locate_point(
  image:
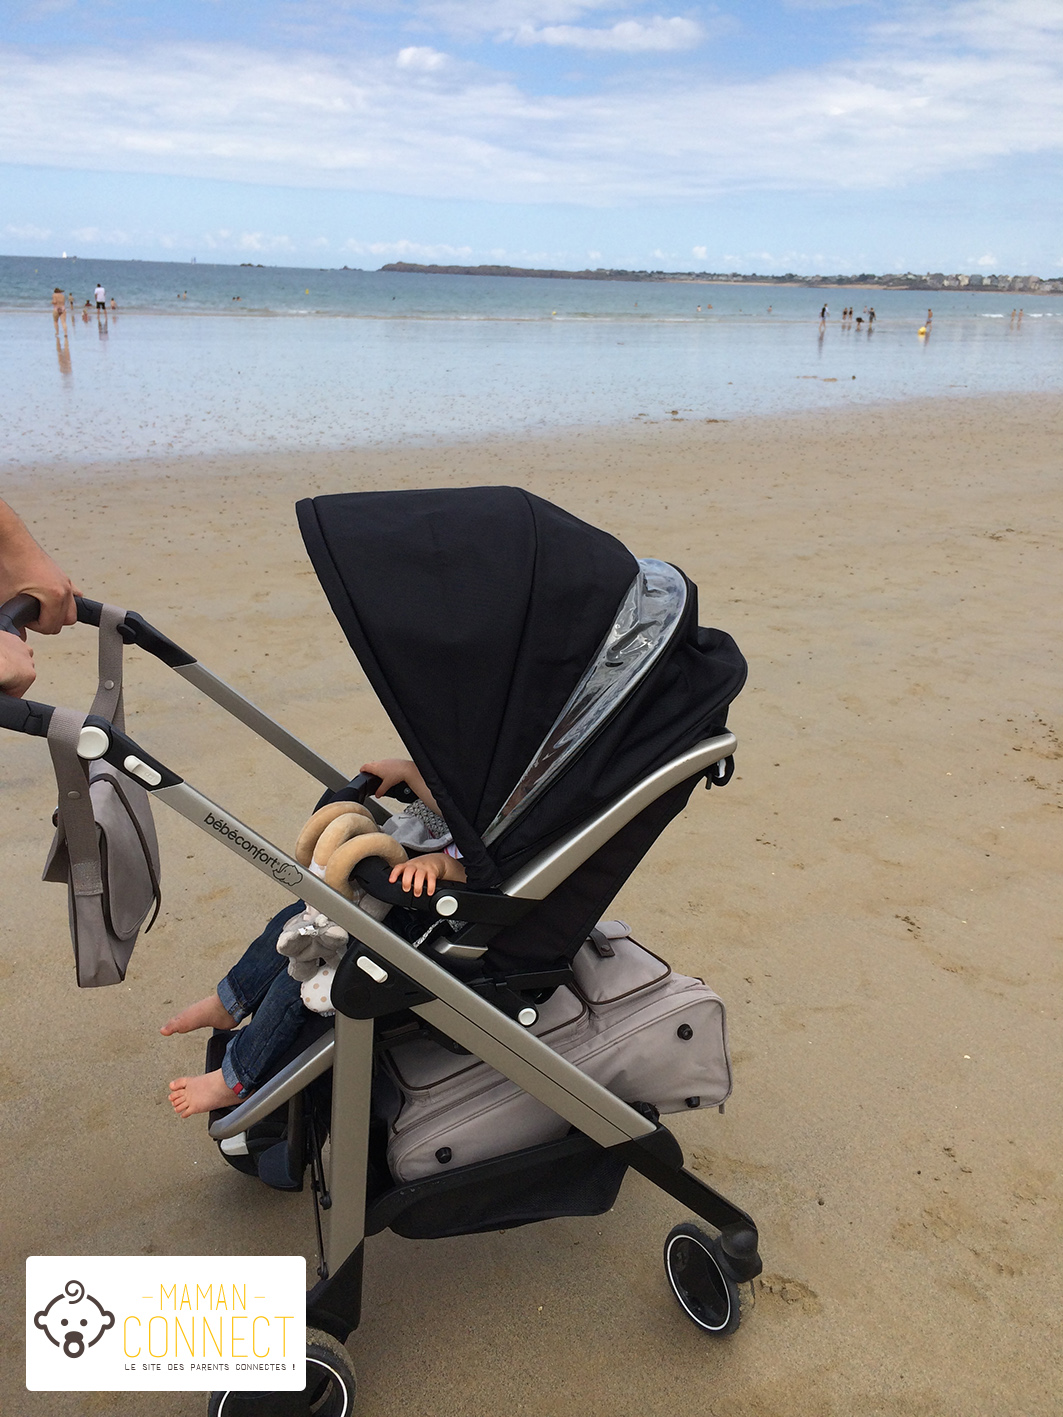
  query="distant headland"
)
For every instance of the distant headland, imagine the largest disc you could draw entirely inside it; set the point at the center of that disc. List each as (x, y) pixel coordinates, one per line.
(936, 280)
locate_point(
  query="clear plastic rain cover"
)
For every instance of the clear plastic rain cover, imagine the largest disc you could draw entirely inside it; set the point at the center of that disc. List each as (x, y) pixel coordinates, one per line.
(645, 622)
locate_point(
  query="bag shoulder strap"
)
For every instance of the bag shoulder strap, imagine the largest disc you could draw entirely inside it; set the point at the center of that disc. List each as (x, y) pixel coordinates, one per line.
(76, 820)
(109, 702)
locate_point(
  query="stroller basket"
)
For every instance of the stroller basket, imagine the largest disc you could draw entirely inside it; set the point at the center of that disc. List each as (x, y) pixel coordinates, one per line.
(561, 715)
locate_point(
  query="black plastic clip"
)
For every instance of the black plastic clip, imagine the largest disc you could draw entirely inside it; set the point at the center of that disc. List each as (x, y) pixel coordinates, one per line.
(366, 986)
(721, 773)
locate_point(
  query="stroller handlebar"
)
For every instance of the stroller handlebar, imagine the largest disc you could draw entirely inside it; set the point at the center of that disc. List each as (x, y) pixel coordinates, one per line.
(18, 612)
(135, 630)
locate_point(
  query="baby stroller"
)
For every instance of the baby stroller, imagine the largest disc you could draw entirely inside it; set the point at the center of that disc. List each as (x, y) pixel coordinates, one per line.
(562, 704)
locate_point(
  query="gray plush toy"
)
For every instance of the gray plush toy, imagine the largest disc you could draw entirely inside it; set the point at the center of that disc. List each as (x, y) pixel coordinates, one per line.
(314, 946)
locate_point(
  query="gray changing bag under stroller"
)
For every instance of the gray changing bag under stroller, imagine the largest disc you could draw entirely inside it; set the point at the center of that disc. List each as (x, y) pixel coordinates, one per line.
(648, 1034)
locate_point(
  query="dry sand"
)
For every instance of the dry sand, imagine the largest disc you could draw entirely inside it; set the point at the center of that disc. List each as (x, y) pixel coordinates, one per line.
(876, 896)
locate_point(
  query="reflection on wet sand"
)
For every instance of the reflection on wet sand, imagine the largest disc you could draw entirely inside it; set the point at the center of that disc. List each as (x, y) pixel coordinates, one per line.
(189, 384)
(62, 350)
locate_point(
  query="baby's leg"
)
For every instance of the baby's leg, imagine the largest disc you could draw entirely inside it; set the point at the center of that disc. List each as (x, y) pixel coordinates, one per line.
(200, 1094)
(208, 1013)
(250, 1056)
(243, 988)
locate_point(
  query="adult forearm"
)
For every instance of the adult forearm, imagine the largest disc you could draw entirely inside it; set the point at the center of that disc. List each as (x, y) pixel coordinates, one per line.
(25, 568)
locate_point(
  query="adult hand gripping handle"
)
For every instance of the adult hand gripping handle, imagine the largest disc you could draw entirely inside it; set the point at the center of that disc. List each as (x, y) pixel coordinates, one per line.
(25, 716)
(18, 612)
(21, 715)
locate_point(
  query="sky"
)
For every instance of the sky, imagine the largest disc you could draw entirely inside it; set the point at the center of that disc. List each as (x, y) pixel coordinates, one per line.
(814, 136)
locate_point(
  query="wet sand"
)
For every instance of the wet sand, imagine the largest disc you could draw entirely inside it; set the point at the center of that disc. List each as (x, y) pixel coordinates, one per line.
(893, 577)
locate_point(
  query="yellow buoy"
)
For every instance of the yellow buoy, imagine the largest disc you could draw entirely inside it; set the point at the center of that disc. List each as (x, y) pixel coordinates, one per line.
(922, 329)
(308, 290)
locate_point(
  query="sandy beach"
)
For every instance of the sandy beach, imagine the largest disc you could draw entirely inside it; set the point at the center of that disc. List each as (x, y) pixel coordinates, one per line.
(893, 576)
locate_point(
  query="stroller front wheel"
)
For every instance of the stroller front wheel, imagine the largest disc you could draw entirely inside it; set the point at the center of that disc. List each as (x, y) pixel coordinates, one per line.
(707, 1295)
(329, 1390)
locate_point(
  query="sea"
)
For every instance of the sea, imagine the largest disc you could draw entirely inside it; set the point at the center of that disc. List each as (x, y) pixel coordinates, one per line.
(213, 359)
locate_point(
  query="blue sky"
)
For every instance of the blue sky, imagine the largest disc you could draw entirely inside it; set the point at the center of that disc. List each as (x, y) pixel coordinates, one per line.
(774, 135)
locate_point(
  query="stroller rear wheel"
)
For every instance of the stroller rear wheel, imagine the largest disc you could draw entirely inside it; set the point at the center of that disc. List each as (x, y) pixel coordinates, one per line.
(707, 1295)
(329, 1390)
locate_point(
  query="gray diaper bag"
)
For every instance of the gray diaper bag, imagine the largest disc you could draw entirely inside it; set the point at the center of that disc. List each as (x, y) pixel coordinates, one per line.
(629, 1022)
(104, 850)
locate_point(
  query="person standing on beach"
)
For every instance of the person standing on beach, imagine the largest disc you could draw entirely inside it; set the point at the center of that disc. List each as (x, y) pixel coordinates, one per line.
(27, 570)
(101, 297)
(929, 318)
(870, 318)
(824, 313)
(58, 310)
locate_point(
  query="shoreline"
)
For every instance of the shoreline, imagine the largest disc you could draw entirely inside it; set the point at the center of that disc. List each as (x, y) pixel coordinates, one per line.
(623, 435)
(649, 317)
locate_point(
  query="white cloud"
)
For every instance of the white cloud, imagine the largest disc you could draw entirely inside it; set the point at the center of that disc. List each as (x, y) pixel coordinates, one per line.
(407, 250)
(655, 35)
(907, 112)
(223, 239)
(700, 251)
(27, 233)
(97, 236)
(259, 241)
(1001, 26)
(499, 16)
(986, 260)
(420, 58)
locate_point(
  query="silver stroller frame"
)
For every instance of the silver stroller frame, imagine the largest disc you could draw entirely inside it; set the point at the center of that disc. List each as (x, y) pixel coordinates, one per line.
(382, 973)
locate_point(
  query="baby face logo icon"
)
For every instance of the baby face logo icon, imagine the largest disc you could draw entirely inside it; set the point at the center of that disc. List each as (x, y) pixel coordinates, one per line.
(74, 1320)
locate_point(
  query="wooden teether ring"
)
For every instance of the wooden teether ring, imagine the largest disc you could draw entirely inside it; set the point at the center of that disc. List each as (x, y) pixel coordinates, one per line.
(339, 831)
(304, 847)
(344, 859)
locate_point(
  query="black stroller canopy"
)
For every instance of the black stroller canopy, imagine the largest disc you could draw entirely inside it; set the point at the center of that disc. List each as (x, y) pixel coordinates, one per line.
(476, 614)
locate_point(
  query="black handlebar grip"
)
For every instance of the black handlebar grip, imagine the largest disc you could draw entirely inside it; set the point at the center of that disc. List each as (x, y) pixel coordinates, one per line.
(18, 612)
(88, 610)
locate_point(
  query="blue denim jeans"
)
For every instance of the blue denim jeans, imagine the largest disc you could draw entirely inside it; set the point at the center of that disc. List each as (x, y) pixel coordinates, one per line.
(260, 985)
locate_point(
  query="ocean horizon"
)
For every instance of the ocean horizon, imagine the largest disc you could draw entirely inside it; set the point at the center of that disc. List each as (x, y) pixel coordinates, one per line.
(276, 358)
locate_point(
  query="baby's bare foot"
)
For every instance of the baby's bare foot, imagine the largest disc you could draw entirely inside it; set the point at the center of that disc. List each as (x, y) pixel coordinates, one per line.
(208, 1013)
(201, 1094)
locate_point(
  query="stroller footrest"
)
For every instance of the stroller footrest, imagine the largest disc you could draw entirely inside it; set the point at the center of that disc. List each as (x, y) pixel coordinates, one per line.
(276, 1170)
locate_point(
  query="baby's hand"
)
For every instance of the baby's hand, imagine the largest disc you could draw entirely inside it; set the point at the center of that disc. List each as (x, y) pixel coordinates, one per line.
(393, 770)
(390, 771)
(420, 874)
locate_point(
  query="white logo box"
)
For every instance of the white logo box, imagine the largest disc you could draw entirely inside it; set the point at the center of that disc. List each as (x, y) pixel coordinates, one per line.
(165, 1323)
